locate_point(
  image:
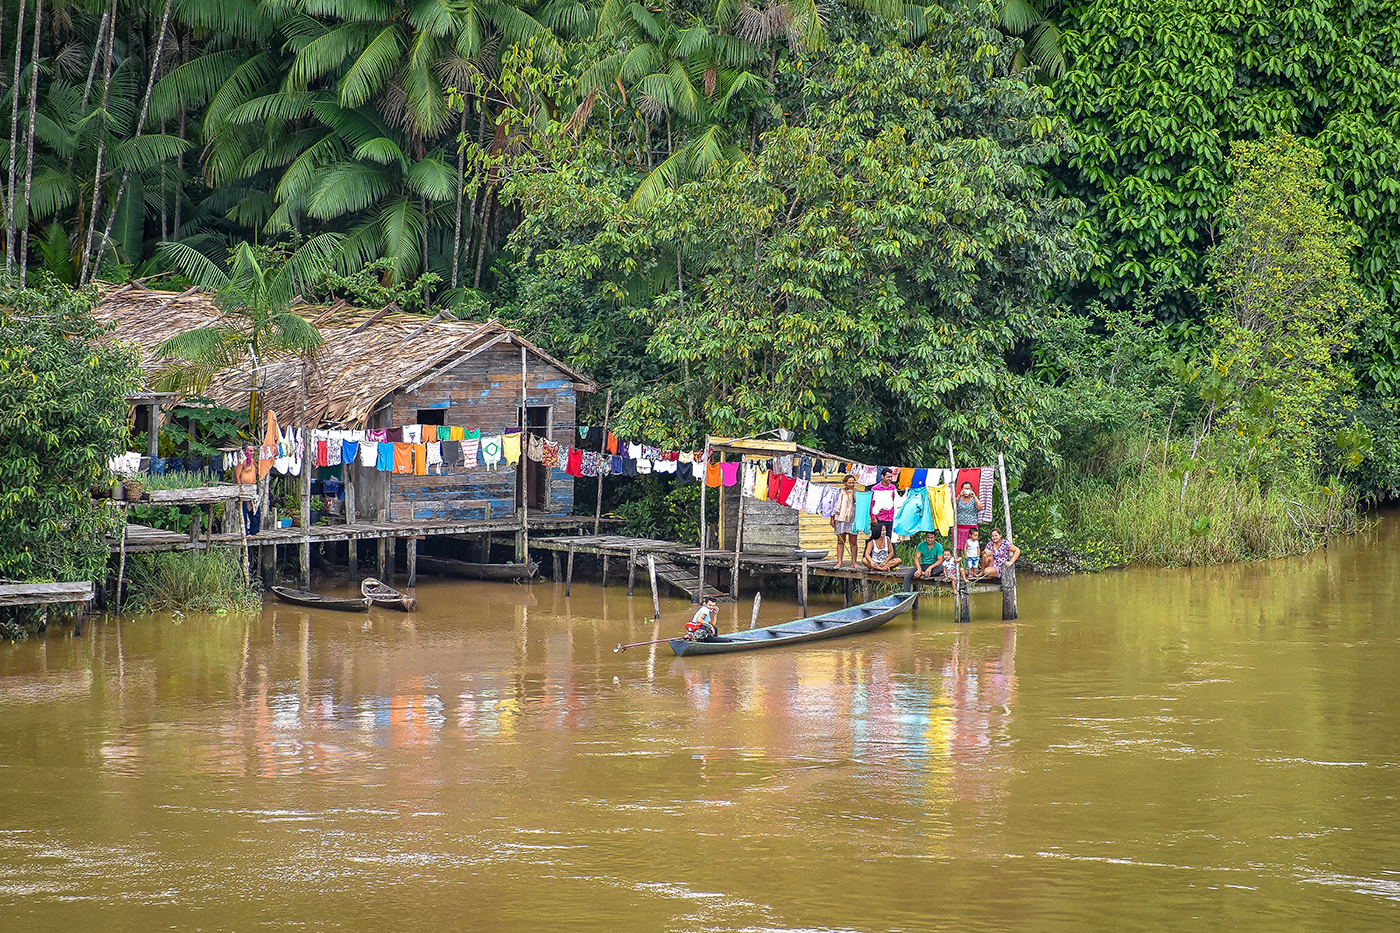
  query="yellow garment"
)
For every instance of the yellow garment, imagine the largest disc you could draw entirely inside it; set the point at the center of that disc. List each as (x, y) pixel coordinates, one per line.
(760, 486)
(511, 445)
(420, 459)
(456, 434)
(940, 498)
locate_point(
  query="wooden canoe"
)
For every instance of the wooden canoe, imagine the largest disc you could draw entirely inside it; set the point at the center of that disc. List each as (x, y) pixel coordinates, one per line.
(382, 594)
(462, 568)
(860, 618)
(317, 601)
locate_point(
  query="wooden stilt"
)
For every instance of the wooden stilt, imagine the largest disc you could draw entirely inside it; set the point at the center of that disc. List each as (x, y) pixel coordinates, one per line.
(704, 530)
(308, 465)
(352, 557)
(802, 587)
(655, 593)
(558, 571)
(244, 558)
(121, 560)
(382, 566)
(209, 534)
(569, 573)
(1008, 572)
(605, 571)
(267, 564)
(412, 561)
(632, 572)
(753, 619)
(849, 588)
(865, 589)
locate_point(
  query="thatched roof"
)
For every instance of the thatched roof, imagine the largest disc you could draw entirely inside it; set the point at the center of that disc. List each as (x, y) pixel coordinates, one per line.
(367, 356)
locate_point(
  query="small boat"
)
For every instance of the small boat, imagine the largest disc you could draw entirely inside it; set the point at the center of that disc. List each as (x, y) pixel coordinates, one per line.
(382, 594)
(462, 568)
(860, 618)
(317, 601)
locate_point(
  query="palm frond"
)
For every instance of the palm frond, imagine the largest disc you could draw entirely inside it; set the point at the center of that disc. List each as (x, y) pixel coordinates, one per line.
(372, 67)
(433, 178)
(194, 265)
(345, 188)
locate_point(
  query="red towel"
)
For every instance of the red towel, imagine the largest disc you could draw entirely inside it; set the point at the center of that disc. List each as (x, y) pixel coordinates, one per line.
(575, 467)
(785, 484)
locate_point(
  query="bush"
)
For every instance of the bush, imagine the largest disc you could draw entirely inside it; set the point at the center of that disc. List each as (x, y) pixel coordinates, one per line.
(190, 580)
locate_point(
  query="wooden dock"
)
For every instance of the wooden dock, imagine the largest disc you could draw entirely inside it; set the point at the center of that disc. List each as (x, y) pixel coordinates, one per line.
(679, 565)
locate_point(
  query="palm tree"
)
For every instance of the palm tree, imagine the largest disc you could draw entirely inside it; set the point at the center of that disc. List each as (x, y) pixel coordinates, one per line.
(1041, 48)
(254, 290)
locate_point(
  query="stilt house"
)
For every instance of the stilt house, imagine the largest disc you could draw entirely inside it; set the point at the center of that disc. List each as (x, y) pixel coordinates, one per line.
(387, 368)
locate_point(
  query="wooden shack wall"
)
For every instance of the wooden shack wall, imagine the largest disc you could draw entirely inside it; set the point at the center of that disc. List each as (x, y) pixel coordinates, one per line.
(482, 393)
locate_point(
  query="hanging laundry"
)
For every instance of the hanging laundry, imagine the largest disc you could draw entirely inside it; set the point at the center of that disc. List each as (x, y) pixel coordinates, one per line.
(644, 467)
(491, 451)
(714, 475)
(665, 466)
(384, 457)
(471, 443)
(435, 456)
(774, 485)
(588, 463)
(861, 523)
(831, 498)
(298, 451)
(698, 469)
(915, 515)
(920, 480)
(455, 433)
(451, 452)
(629, 466)
(612, 443)
(333, 445)
(420, 459)
(616, 465)
(941, 500)
(511, 447)
(550, 450)
(804, 468)
(413, 434)
(634, 451)
(270, 437)
(984, 492)
(378, 435)
(797, 498)
(813, 501)
(535, 451)
(906, 477)
(403, 457)
(867, 475)
(348, 450)
(729, 473)
(369, 452)
(687, 456)
(575, 462)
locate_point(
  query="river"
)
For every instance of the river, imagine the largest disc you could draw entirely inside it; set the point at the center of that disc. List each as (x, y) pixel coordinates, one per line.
(1197, 749)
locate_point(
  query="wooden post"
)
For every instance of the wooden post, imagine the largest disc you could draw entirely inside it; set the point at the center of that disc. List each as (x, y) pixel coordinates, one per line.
(964, 610)
(352, 546)
(605, 569)
(865, 589)
(383, 570)
(959, 589)
(753, 619)
(704, 485)
(153, 438)
(738, 539)
(632, 571)
(121, 560)
(850, 591)
(1008, 572)
(558, 571)
(569, 573)
(194, 524)
(524, 555)
(245, 558)
(655, 593)
(267, 564)
(209, 534)
(308, 465)
(802, 587)
(598, 508)
(490, 543)
(412, 561)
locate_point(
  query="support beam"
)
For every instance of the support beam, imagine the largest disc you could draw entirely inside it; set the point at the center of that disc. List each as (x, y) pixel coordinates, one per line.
(569, 574)
(412, 561)
(1008, 572)
(802, 587)
(153, 439)
(655, 592)
(753, 619)
(632, 571)
(558, 572)
(605, 570)
(267, 564)
(352, 547)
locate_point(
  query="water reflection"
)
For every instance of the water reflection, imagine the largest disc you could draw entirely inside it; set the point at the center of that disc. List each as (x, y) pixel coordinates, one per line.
(1142, 747)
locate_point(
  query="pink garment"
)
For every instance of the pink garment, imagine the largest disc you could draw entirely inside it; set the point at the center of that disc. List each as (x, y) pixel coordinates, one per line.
(730, 473)
(379, 434)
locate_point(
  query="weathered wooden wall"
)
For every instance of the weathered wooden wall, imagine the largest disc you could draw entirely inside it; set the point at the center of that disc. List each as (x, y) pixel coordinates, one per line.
(482, 393)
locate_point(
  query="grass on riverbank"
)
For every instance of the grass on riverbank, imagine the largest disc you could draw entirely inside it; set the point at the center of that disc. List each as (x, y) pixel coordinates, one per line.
(1141, 516)
(189, 581)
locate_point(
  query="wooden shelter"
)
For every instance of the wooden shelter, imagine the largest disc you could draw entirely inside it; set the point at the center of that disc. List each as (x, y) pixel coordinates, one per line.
(388, 368)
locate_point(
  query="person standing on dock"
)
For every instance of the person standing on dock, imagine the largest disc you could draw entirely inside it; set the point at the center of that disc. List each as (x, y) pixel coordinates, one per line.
(843, 522)
(965, 514)
(882, 505)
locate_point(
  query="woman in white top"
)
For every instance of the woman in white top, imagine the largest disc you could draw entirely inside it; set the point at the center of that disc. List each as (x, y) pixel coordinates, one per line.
(879, 553)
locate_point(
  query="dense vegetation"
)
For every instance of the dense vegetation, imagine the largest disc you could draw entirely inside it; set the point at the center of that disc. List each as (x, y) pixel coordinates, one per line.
(1151, 254)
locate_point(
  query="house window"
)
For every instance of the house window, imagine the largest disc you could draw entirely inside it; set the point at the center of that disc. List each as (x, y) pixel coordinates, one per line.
(432, 415)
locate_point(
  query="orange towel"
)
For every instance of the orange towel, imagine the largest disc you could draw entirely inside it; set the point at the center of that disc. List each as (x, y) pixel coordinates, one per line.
(270, 437)
(713, 475)
(612, 443)
(906, 476)
(420, 459)
(403, 457)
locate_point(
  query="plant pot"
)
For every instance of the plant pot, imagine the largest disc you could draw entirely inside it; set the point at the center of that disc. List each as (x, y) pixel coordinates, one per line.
(132, 490)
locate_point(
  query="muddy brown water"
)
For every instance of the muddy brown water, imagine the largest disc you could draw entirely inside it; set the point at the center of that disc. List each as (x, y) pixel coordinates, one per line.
(1145, 750)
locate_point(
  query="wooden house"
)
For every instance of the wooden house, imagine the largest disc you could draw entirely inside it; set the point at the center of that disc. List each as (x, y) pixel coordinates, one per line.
(769, 527)
(388, 368)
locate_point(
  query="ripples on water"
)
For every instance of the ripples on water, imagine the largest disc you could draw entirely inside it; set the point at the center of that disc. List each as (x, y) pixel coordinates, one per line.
(1144, 750)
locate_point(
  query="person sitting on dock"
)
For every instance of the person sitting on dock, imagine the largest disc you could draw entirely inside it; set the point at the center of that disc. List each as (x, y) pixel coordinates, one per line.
(879, 553)
(998, 553)
(928, 558)
(703, 627)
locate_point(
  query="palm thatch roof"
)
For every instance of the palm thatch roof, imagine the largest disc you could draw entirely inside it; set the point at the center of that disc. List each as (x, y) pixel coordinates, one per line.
(367, 356)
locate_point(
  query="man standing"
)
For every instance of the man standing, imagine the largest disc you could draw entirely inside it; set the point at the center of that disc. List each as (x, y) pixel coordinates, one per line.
(882, 504)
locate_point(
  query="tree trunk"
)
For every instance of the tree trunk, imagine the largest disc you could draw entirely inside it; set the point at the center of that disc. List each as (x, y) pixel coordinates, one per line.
(180, 159)
(14, 147)
(22, 256)
(485, 226)
(140, 125)
(101, 147)
(461, 194)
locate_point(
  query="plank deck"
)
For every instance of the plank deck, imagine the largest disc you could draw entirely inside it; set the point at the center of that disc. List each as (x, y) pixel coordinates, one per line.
(44, 594)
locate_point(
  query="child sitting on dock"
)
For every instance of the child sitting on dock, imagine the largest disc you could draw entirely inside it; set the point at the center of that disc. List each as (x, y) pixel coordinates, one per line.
(879, 553)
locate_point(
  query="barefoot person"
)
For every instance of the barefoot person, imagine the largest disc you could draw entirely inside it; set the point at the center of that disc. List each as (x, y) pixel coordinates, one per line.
(879, 553)
(703, 627)
(844, 521)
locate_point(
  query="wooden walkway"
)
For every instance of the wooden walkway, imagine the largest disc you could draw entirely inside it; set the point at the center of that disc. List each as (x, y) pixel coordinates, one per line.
(681, 564)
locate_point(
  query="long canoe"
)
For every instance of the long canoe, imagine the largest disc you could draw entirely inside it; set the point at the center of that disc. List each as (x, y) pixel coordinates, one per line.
(317, 601)
(462, 568)
(860, 618)
(382, 594)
